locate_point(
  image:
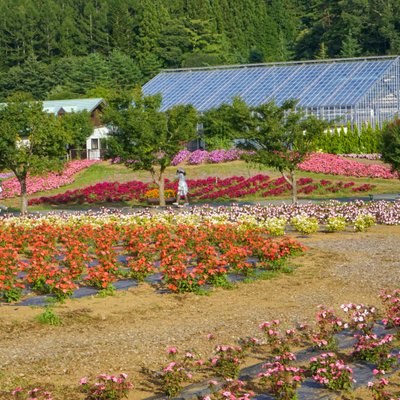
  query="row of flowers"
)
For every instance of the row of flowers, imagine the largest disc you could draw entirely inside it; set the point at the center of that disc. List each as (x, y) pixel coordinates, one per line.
(282, 373)
(52, 180)
(332, 164)
(365, 156)
(383, 212)
(52, 257)
(211, 188)
(316, 162)
(58, 259)
(203, 156)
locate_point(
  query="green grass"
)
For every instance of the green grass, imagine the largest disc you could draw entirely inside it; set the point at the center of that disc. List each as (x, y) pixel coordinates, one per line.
(105, 171)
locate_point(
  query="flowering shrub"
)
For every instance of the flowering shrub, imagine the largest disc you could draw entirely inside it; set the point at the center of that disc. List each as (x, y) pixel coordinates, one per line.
(275, 226)
(181, 157)
(282, 379)
(304, 224)
(375, 350)
(226, 361)
(328, 324)
(11, 187)
(361, 317)
(233, 389)
(391, 301)
(331, 372)
(363, 222)
(107, 387)
(379, 389)
(202, 156)
(197, 157)
(335, 224)
(175, 373)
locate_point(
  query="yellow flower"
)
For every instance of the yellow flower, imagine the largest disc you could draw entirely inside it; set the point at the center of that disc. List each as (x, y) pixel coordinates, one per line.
(154, 193)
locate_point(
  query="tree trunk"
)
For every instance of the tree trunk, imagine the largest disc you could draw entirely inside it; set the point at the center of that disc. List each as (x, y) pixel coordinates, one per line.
(294, 187)
(24, 197)
(293, 184)
(161, 189)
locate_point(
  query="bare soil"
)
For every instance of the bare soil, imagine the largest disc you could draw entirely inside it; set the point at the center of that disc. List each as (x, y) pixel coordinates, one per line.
(129, 332)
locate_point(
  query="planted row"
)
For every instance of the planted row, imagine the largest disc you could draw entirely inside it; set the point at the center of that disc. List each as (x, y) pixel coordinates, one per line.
(58, 259)
(211, 188)
(317, 358)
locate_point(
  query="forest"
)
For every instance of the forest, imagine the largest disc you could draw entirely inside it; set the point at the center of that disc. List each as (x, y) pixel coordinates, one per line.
(60, 49)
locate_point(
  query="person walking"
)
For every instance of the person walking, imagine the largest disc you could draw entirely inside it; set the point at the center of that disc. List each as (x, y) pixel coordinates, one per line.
(182, 187)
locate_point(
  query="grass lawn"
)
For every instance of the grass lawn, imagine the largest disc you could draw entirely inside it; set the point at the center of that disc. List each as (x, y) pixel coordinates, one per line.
(105, 171)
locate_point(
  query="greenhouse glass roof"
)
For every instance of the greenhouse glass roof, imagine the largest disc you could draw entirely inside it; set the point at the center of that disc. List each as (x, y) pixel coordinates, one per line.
(329, 83)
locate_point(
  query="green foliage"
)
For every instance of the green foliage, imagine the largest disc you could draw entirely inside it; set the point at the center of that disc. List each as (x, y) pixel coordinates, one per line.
(78, 127)
(223, 124)
(335, 224)
(391, 144)
(146, 138)
(281, 137)
(304, 224)
(364, 222)
(31, 140)
(48, 317)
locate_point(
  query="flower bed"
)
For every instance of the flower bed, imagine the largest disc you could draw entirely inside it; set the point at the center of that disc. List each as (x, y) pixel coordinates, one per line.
(57, 258)
(211, 188)
(336, 165)
(203, 156)
(52, 180)
(291, 356)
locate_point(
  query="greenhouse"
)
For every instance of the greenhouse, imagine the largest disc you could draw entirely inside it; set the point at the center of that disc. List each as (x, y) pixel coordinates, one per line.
(354, 91)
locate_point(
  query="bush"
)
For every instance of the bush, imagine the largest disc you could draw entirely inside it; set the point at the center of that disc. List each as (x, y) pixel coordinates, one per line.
(305, 225)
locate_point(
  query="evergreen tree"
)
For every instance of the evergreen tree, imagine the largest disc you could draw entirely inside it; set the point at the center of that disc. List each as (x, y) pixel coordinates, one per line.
(124, 73)
(350, 46)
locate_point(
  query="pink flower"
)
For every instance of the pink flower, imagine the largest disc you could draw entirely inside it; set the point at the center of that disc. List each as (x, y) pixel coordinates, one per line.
(172, 350)
(83, 381)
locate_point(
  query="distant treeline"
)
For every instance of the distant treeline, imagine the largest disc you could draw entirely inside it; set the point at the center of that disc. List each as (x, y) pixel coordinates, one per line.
(75, 48)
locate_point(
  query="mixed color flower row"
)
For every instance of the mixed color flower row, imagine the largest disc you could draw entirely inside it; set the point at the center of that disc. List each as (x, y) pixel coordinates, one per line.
(211, 188)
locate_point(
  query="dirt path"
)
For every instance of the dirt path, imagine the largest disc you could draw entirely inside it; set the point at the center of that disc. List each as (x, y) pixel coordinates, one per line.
(130, 331)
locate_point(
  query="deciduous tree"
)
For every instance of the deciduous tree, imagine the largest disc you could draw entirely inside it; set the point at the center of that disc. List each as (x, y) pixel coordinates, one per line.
(146, 138)
(31, 141)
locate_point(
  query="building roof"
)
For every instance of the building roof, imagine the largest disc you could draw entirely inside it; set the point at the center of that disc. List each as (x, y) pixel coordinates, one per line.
(320, 83)
(72, 105)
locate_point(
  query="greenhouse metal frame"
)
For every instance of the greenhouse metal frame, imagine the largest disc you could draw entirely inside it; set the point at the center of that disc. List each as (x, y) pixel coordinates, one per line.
(353, 91)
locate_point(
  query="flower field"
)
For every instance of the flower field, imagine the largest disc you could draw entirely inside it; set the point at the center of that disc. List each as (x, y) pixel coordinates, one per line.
(189, 250)
(192, 251)
(11, 187)
(208, 189)
(57, 258)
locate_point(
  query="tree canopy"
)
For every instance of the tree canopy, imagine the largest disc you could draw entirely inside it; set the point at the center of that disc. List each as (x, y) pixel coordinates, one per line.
(71, 47)
(280, 136)
(31, 140)
(391, 145)
(144, 137)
